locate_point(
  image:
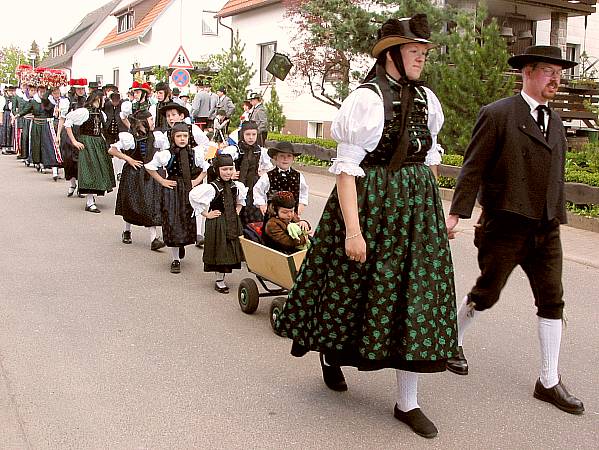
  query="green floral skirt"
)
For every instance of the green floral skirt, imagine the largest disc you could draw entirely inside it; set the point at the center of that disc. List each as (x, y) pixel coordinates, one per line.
(95, 171)
(396, 310)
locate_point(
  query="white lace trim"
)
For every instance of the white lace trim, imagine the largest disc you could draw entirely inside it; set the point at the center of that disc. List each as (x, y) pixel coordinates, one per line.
(347, 167)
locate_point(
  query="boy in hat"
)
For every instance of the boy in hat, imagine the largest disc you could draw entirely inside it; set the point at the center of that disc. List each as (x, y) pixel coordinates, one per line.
(516, 160)
(282, 178)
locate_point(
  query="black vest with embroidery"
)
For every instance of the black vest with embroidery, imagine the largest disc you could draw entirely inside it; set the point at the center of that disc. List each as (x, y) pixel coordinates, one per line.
(280, 181)
(112, 115)
(419, 134)
(144, 149)
(94, 125)
(218, 203)
(173, 168)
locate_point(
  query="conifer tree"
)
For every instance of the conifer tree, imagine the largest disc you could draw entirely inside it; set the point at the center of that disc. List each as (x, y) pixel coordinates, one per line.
(234, 74)
(274, 112)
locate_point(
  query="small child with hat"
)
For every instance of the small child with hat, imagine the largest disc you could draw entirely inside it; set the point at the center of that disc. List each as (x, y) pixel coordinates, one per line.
(282, 178)
(220, 202)
(284, 231)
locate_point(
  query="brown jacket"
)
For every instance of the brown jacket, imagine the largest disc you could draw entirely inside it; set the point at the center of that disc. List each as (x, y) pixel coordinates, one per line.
(276, 230)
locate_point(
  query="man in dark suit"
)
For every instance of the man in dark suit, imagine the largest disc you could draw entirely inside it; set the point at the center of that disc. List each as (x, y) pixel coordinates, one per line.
(516, 158)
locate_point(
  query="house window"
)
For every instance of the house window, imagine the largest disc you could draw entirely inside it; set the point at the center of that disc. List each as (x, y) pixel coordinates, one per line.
(100, 80)
(115, 77)
(266, 53)
(125, 22)
(315, 130)
(573, 54)
(58, 50)
(209, 23)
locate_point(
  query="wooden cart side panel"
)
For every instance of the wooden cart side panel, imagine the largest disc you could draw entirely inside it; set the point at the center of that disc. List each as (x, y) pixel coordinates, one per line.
(270, 264)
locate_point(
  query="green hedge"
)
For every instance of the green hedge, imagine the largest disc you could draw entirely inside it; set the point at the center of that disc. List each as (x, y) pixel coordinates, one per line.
(326, 143)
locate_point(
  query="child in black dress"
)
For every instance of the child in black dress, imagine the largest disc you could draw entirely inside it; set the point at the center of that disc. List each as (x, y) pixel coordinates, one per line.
(220, 202)
(184, 168)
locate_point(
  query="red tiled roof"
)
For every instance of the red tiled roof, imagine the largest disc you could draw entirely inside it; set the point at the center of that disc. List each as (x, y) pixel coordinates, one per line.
(234, 7)
(141, 27)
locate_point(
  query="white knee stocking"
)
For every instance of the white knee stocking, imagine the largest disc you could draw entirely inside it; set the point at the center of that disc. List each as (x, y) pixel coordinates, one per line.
(127, 226)
(550, 337)
(175, 253)
(407, 390)
(153, 233)
(55, 171)
(90, 200)
(466, 315)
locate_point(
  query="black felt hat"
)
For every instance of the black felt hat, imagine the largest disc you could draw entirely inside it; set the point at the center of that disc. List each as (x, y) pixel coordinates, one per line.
(283, 147)
(402, 31)
(541, 53)
(173, 105)
(222, 160)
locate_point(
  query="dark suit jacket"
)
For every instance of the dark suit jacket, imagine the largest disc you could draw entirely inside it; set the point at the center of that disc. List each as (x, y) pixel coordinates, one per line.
(512, 163)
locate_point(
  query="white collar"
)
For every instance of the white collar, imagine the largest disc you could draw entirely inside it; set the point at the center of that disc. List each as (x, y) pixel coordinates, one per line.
(532, 103)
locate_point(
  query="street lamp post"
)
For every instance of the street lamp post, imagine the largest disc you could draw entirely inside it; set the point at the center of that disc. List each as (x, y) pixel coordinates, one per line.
(32, 56)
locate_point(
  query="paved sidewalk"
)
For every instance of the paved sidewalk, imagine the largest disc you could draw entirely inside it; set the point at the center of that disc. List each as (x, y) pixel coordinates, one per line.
(579, 246)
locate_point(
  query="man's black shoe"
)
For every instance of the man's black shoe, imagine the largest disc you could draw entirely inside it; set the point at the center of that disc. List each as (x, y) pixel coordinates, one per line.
(417, 421)
(559, 396)
(458, 364)
(333, 376)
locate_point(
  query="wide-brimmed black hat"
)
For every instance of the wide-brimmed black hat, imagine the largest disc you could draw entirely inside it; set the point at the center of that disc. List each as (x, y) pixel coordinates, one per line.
(541, 53)
(173, 105)
(402, 31)
(283, 147)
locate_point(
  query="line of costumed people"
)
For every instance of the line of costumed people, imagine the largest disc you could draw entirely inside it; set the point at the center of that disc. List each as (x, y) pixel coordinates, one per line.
(173, 177)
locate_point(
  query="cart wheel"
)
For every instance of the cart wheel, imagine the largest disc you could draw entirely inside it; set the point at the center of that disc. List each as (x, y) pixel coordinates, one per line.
(248, 296)
(276, 307)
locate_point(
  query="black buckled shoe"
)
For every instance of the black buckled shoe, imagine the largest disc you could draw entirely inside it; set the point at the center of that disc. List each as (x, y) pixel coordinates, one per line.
(459, 364)
(182, 252)
(221, 287)
(559, 396)
(417, 421)
(126, 237)
(157, 244)
(333, 376)
(176, 266)
(199, 241)
(71, 191)
(92, 208)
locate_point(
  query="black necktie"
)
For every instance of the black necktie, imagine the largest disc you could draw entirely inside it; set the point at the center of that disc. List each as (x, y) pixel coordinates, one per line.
(541, 111)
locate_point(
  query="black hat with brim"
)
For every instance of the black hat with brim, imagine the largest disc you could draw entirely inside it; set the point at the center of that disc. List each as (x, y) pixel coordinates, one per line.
(180, 108)
(283, 147)
(541, 53)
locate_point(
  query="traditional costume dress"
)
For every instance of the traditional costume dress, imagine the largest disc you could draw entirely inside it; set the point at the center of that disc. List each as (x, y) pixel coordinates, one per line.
(139, 195)
(24, 125)
(222, 250)
(70, 155)
(43, 146)
(6, 127)
(95, 173)
(182, 164)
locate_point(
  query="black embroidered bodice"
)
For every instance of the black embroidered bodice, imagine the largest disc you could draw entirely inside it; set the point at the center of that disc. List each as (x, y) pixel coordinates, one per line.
(419, 134)
(284, 181)
(94, 125)
(218, 203)
(173, 168)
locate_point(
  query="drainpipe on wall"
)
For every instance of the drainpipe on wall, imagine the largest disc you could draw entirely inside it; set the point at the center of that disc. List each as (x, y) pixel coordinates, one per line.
(228, 28)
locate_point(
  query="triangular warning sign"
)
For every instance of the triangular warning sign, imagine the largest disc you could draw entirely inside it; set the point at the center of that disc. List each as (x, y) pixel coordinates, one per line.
(180, 60)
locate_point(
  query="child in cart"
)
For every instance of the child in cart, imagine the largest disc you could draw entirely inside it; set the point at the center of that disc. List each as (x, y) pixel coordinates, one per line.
(220, 202)
(285, 231)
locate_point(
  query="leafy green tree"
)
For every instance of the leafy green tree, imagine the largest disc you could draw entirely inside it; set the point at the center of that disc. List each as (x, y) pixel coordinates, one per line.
(10, 58)
(235, 74)
(469, 75)
(274, 112)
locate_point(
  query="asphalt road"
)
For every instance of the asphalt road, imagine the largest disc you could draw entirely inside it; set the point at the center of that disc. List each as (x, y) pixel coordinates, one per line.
(101, 347)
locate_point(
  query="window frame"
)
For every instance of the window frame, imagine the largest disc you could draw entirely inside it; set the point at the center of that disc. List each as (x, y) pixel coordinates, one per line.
(267, 78)
(212, 14)
(131, 22)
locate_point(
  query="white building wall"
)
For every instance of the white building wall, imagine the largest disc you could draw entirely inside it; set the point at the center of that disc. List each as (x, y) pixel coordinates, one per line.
(268, 24)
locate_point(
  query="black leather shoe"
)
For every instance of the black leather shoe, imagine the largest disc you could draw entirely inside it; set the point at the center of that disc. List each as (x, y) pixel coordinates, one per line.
(200, 241)
(71, 191)
(333, 376)
(127, 237)
(157, 244)
(559, 396)
(417, 421)
(458, 364)
(221, 289)
(92, 208)
(181, 252)
(176, 267)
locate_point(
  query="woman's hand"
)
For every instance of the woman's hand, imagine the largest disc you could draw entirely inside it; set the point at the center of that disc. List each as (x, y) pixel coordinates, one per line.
(355, 248)
(235, 175)
(78, 145)
(169, 184)
(451, 222)
(305, 226)
(134, 163)
(212, 214)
